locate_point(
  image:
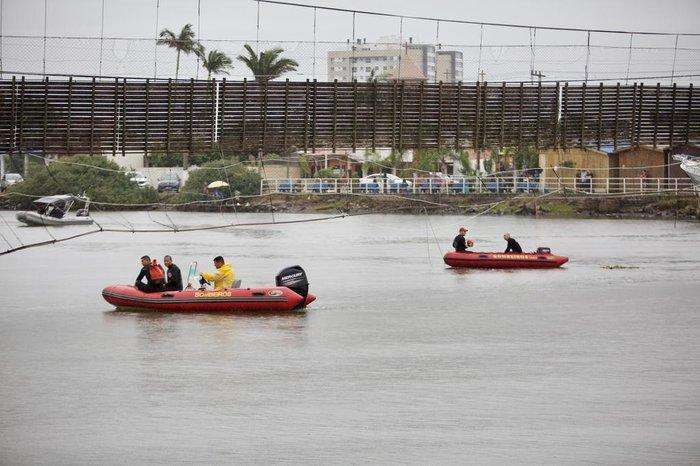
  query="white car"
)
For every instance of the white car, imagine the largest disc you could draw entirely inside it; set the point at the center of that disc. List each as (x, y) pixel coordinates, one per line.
(138, 178)
(12, 178)
(388, 179)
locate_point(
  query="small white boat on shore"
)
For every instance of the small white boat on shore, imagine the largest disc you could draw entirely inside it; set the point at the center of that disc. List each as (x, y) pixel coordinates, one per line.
(690, 165)
(55, 211)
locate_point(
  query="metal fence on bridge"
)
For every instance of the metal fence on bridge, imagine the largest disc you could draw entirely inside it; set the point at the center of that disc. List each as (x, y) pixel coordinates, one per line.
(475, 185)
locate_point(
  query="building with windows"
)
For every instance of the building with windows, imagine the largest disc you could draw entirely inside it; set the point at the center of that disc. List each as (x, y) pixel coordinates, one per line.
(389, 61)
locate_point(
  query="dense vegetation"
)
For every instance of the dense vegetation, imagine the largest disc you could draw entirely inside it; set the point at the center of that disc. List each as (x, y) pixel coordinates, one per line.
(241, 180)
(77, 175)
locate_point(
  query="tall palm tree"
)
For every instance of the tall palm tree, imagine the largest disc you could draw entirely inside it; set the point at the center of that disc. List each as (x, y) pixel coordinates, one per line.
(268, 65)
(215, 61)
(183, 42)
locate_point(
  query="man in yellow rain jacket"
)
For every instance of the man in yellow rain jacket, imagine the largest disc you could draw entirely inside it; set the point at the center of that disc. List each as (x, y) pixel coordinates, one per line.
(223, 277)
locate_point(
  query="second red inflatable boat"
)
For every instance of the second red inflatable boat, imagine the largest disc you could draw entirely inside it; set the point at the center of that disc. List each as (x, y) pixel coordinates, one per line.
(542, 259)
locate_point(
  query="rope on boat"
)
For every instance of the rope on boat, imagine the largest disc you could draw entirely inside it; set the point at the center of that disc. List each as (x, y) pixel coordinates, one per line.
(169, 230)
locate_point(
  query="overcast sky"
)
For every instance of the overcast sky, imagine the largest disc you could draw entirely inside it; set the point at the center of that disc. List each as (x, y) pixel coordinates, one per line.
(236, 20)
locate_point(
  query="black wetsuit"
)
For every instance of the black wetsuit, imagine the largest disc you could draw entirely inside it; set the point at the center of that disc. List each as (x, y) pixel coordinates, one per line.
(174, 277)
(513, 246)
(460, 243)
(150, 286)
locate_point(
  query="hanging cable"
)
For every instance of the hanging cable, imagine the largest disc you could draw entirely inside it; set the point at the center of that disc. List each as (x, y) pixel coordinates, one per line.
(43, 59)
(102, 36)
(352, 50)
(673, 67)
(199, 7)
(155, 47)
(9, 227)
(629, 60)
(257, 30)
(314, 46)
(588, 54)
(481, 44)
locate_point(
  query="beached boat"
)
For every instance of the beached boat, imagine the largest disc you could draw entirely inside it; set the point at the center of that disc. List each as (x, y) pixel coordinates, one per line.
(55, 211)
(690, 165)
(542, 259)
(290, 293)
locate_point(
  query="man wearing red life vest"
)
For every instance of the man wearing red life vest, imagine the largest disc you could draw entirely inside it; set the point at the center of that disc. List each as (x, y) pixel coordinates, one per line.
(154, 275)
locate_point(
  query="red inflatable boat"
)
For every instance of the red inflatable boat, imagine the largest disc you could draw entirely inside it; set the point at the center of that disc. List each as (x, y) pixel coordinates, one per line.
(291, 293)
(542, 259)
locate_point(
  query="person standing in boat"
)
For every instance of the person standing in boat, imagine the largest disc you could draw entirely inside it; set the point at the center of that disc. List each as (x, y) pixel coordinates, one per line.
(513, 246)
(222, 278)
(460, 243)
(154, 275)
(173, 275)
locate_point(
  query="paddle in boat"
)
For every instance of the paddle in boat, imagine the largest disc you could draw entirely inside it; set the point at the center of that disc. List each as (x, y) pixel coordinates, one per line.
(290, 293)
(55, 211)
(541, 259)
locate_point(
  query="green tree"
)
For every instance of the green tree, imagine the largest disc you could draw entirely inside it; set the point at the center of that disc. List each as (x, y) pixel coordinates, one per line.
(100, 179)
(184, 42)
(268, 65)
(215, 62)
(241, 179)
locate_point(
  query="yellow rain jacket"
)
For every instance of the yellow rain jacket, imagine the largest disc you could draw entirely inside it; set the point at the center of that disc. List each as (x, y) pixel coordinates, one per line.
(222, 278)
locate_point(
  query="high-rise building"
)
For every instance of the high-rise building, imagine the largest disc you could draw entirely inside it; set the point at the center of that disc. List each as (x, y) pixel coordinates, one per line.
(386, 61)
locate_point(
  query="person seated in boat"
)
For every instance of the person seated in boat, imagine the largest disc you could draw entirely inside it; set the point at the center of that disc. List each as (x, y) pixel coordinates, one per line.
(154, 275)
(54, 211)
(173, 275)
(513, 245)
(222, 278)
(460, 243)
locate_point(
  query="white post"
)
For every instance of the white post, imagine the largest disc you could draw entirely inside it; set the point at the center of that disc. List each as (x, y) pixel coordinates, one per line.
(624, 185)
(607, 186)
(2, 167)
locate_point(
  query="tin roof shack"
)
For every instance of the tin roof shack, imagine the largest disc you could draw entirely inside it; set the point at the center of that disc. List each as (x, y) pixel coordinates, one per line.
(570, 162)
(674, 170)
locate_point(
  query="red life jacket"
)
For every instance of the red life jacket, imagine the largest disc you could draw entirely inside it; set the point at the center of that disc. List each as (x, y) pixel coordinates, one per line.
(156, 272)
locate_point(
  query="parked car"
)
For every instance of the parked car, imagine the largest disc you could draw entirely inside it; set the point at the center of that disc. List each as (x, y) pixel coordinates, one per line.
(169, 182)
(138, 178)
(9, 179)
(390, 183)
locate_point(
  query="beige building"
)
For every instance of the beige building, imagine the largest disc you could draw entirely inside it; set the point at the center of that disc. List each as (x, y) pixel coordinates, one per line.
(448, 66)
(390, 61)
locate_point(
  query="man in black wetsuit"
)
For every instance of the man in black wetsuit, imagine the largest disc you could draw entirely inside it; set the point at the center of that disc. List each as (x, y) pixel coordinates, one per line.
(513, 245)
(153, 284)
(460, 243)
(173, 275)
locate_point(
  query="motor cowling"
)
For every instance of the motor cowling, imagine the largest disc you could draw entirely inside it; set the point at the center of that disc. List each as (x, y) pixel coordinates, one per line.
(295, 279)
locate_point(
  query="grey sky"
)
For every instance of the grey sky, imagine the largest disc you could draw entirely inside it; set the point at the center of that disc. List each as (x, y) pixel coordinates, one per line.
(236, 20)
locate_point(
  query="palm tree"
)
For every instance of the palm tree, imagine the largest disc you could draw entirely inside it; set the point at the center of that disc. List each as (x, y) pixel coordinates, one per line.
(215, 61)
(268, 65)
(183, 42)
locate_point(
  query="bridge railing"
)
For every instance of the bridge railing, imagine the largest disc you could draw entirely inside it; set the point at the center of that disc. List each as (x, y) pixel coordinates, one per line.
(475, 185)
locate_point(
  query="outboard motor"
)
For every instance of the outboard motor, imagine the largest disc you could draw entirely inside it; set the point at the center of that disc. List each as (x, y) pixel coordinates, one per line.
(295, 279)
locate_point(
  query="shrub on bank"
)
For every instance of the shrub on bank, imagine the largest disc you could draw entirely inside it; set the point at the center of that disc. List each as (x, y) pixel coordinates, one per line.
(241, 180)
(100, 179)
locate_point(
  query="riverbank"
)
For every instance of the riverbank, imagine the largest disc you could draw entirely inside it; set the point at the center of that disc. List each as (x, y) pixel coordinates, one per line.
(642, 207)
